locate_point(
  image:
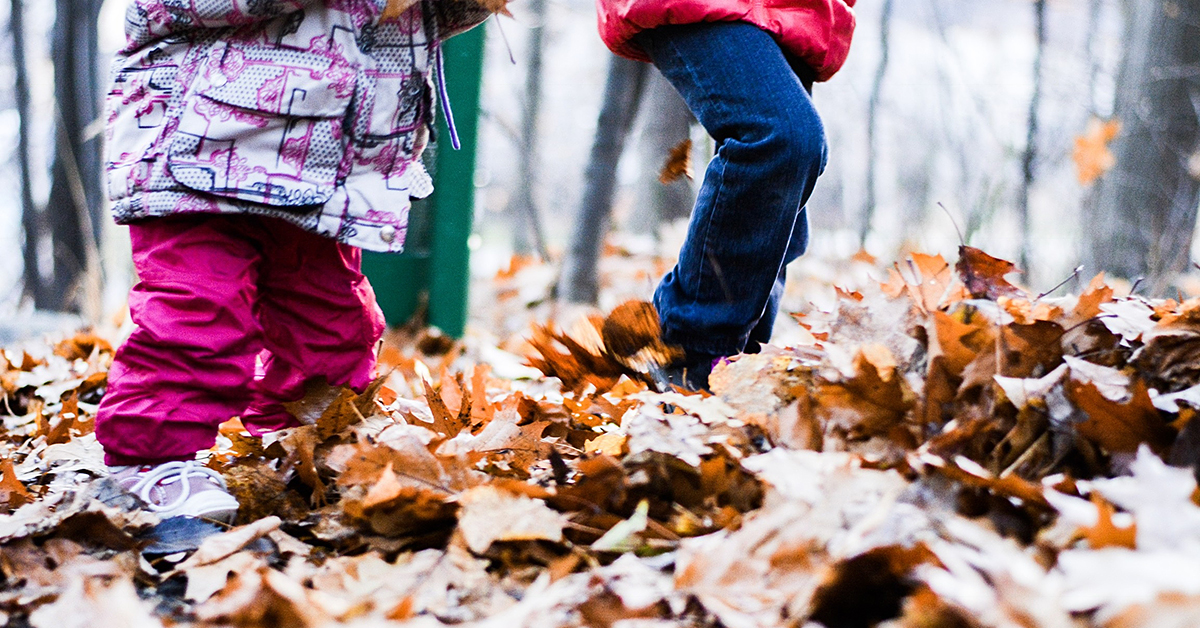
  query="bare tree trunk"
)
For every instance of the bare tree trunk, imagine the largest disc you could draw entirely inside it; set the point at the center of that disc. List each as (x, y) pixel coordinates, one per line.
(667, 122)
(868, 213)
(526, 219)
(580, 282)
(1144, 221)
(1095, 7)
(32, 221)
(1091, 196)
(1031, 146)
(75, 209)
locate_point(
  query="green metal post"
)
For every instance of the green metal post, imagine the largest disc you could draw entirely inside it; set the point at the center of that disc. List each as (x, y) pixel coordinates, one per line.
(454, 210)
(436, 260)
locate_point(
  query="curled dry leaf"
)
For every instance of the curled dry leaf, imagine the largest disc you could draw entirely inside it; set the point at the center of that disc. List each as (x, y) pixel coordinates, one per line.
(678, 164)
(490, 514)
(221, 546)
(983, 275)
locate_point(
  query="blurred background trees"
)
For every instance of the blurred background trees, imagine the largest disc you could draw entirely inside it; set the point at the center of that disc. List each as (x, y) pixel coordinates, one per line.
(1145, 217)
(936, 105)
(976, 105)
(61, 237)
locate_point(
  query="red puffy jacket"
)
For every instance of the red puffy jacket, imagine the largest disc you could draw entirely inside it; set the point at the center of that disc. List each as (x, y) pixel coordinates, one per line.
(816, 31)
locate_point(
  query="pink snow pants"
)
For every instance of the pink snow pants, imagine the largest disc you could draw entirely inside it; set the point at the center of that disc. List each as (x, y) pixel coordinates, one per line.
(217, 295)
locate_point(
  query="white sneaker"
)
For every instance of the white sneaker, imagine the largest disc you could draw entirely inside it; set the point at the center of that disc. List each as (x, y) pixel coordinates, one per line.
(175, 489)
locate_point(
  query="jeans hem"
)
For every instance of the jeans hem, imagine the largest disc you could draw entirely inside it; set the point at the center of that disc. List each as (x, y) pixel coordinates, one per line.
(708, 346)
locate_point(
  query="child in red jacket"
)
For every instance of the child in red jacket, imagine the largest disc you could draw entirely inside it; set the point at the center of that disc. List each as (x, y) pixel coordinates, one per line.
(745, 68)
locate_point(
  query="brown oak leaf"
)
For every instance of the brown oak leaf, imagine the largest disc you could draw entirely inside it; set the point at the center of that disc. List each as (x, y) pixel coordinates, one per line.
(983, 275)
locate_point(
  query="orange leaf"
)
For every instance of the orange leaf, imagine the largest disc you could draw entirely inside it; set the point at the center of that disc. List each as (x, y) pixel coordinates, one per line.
(1092, 156)
(961, 341)
(1105, 533)
(871, 403)
(495, 6)
(1120, 427)
(863, 256)
(934, 278)
(849, 295)
(1098, 293)
(396, 8)
(61, 431)
(446, 423)
(679, 163)
(81, 346)
(631, 327)
(894, 286)
(13, 494)
(28, 362)
(301, 445)
(481, 411)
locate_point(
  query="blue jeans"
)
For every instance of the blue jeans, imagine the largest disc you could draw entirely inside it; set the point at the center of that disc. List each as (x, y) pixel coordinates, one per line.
(749, 221)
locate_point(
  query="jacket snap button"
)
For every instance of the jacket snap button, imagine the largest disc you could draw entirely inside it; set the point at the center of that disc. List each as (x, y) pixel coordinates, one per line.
(219, 80)
(387, 233)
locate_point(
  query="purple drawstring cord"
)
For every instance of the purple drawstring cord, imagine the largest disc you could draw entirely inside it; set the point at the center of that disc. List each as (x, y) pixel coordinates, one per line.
(444, 96)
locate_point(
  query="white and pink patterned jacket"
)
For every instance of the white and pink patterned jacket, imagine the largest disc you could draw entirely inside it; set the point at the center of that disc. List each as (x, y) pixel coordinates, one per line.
(314, 111)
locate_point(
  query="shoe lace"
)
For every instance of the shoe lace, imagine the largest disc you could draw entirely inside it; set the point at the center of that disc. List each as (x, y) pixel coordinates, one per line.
(171, 473)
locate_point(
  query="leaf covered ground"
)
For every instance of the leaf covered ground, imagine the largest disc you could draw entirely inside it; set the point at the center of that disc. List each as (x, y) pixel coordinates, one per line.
(938, 448)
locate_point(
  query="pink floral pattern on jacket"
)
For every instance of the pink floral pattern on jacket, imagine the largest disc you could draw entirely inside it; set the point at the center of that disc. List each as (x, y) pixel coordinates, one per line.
(313, 111)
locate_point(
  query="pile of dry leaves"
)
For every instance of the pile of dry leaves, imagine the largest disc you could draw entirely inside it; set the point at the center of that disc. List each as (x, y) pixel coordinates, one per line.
(942, 450)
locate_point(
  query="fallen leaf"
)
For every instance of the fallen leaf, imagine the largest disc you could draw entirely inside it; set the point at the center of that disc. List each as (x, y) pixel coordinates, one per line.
(1120, 427)
(87, 599)
(60, 431)
(1096, 294)
(82, 346)
(611, 444)
(204, 581)
(623, 537)
(491, 515)
(448, 424)
(983, 275)
(1105, 533)
(13, 493)
(263, 597)
(318, 396)
(934, 279)
(222, 546)
(873, 402)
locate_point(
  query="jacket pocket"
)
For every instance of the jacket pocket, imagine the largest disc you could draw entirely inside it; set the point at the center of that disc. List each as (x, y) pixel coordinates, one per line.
(263, 125)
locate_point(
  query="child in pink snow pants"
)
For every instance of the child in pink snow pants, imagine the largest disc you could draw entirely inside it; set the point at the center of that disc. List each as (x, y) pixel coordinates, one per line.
(253, 148)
